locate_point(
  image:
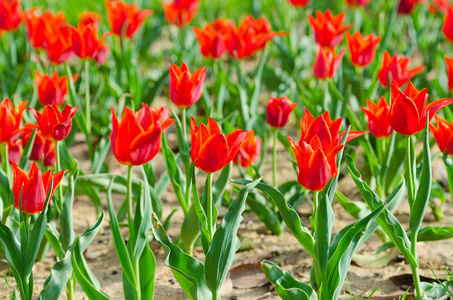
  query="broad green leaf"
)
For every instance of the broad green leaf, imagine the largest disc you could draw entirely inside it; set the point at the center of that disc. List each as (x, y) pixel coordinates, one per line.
(265, 214)
(90, 285)
(225, 243)
(424, 190)
(286, 286)
(144, 203)
(147, 271)
(120, 246)
(289, 215)
(27, 150)
(391, 226)
(67, 233)
(435, 233)
(11, 246)
(197, 208)
(189, 271)
(355, 208)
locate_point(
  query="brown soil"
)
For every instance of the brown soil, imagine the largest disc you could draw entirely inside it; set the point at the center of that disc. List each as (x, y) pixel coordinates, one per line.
(285, 249)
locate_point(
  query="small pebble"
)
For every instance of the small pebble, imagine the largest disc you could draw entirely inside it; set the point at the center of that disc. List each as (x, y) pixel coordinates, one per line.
(233, 297)
(172, 281)
(114, 272)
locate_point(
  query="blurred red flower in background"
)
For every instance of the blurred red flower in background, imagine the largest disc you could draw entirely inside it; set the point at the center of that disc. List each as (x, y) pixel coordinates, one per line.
(186, 88)
(180, 12)
(211, 40)
(378, 121)
(11, 15)
(327, 63)
(443, 134)
(278, 111)
(328, 29)
(398, 68)
(362, 49)
(125, 19)
(52, 89)
(10, 119)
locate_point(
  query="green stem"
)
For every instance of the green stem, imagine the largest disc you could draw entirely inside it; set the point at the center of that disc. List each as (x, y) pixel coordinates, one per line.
(274, 157)
(70, 288)
(416, 278)
(58, 166)
(449, 168)
(183, 122)
(87, 96)
(130, 219)
(210, 206)
(315, 210)
(12, 46)
(362, 99)
(5, 161)
(409, 171)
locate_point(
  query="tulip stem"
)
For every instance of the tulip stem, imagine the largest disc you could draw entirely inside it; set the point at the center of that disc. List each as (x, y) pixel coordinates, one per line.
(5, 161)
(274, 158)
(361, 87)
(12, 46)
(416, 279)
(210, 206)
(87, 97)
(409, 171)
(60, 188)
(130, 219)
(183, 122)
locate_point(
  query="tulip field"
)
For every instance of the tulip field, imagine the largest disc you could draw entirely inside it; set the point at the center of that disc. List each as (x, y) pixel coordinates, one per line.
(226, 149)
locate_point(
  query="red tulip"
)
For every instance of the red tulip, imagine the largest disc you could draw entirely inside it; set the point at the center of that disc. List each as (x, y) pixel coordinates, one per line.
(34, 187)
(55, 125)
(41, 26)
(398, 67)
(59, 45)
(211, 40)
(407, 6)
(449, 64)
(125, 18)
(10, 119)
(211, 150)
(52, 89)
(186, 88)
(440, 6)
(42, 148)
(11, 15)
(355, 3)
(180, 12)
(249, 151)
(328, 29)
(378, 122)
(90, 17)
(327, 63)
(299, 3)
(447, 28)
(278, 111)
(316, 166)
(14, 151)
(50, 157)
(136, 139)
(250, 36)
(443, 134)
(325, 129)
(408, 111)
(362, 49)
(86, 43)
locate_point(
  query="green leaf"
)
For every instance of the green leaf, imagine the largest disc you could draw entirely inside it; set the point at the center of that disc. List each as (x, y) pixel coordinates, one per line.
(391, 226)
(11, 246)
(144, 207)
(355, 208)
(289, 215)
(424, 190)
(199, 212)
(225, 243)
(264, 213)
(286, 286)
(27, 150)
(67, 234)
(62, 270)
(220, 185)
(189, 271)
(147, 271)
(343, 247)
(120, 246)
(101, 152)
(435, 233)
(90, 285)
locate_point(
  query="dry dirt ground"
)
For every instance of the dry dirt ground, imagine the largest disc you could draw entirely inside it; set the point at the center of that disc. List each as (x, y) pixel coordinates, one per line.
(284, 249)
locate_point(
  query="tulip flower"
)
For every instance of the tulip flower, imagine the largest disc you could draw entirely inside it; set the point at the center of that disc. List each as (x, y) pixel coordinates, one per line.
(327, 63)
(53, 124)
(125, 19)
(186, 88)
(42, 148)
(86, 43)
(11, 15)
(211, 150)
(41, 26)
(443, 134)
(59, 45)
(278, 111)
(180, 12)
(398, 67)
(250, 36)
(355, 3)
(362, 49)
(440, 6)
(378, 123)
(316, 166)
(249, 151)
(299, 3)
(52, 89)
(406, 7)
(90, 17)
(10, 119)
(325, 129)
(447, 27)
(449, 65)
(408, 111)
(136, 139)
(50, 151)
(328, 29)
(34, 186)
(211, 40)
